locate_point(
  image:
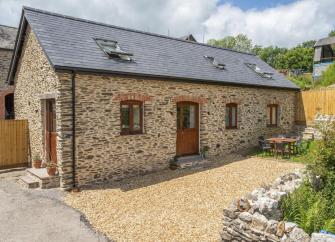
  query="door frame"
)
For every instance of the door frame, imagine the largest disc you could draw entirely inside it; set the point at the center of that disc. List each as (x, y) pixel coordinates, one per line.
(46, 119)
(197, 105)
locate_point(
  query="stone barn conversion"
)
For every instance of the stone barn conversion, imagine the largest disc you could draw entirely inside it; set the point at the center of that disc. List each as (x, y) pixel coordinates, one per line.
(7, 40)
(106, 102)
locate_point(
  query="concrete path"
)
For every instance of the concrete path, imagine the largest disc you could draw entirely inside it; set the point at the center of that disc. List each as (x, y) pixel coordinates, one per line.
(38, 215)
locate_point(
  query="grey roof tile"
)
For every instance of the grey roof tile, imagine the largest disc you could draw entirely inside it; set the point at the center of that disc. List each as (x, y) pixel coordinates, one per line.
(69, 43)
(7, 37)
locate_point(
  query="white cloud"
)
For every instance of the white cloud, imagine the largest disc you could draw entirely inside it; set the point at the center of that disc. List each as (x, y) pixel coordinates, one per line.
(285, 25)
(281, 25)
(159, 16)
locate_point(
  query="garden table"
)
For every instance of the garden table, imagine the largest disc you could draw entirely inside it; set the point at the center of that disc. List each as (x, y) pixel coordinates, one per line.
(290, 141)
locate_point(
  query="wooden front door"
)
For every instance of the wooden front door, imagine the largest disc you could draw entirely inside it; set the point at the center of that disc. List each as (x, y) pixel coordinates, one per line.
(187, 128)
(50, 131)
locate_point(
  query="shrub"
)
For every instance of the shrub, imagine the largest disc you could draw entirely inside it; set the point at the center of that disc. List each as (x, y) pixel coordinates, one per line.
(328, 77)
(312, 205)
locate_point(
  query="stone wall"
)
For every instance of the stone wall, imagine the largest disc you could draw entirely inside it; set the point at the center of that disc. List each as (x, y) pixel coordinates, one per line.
(34, 78)
(257, 217)
(101, 152)
(104, 154)
(5, 58)
(35, 81)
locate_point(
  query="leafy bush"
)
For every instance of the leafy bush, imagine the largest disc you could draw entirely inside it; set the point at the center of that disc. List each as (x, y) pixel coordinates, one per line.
(312, 205)
(328, 77)
(302, 81)
(307, 152)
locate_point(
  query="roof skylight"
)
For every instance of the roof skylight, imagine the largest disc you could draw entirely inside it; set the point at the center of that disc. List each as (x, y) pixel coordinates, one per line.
(259, 71)
(215, 62)
(113, 50)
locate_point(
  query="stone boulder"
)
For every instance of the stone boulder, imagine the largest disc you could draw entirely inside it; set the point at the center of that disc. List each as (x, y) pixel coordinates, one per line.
(319, 237)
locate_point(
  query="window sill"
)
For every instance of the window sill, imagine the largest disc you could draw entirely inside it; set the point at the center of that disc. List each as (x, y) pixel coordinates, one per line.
(272, 126)
(231, 128)
(126, 134)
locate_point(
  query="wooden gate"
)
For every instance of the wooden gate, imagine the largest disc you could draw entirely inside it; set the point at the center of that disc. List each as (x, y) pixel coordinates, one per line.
(13, 143)
(310, 103)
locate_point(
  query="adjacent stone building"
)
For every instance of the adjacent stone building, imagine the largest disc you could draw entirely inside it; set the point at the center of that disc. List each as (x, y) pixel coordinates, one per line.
(106, 102)
(7, 41)
(324, 55)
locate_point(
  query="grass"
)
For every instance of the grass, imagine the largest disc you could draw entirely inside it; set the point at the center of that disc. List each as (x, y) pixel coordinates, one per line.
(306, 154)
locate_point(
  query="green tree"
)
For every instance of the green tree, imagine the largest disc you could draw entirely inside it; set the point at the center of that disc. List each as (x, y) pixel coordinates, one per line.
(300, 58)
(271, 55)
(239, 42)
(331, 33)
(308, 44)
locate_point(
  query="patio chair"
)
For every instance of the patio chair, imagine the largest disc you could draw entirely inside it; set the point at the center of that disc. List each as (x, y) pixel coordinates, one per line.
(292, 134)
(281, 136)
(264, 146)
(298, 145)
(282, 148)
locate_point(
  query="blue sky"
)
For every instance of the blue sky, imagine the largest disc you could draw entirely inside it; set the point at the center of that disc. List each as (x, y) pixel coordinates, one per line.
(283, 23)
(258, 4)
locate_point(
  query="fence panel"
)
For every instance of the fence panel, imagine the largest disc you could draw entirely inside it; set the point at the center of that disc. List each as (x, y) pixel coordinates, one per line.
(310, 103)
(13, 143)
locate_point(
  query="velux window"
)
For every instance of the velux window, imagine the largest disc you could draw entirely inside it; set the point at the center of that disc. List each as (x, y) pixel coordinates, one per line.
(259, 71)
(131, 117)
(216, 63)
(272, 115)
(231, 116)
(113, 50)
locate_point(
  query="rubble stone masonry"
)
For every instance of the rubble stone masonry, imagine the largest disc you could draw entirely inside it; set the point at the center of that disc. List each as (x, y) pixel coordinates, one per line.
(5, 58)
(102, 153)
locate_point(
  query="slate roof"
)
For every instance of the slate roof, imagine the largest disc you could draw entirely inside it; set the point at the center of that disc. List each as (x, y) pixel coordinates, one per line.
(325, 41)
(69, 45)
(7, 37)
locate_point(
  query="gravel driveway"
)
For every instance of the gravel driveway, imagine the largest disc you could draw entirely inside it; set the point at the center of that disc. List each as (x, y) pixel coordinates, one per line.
(38, 215)
(183, 205)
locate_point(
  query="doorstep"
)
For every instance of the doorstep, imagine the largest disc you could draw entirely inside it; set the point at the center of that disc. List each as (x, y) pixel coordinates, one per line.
(45, 181)
(190, 161)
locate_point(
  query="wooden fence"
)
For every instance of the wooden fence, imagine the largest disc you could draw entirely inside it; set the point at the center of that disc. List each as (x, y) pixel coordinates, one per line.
(310, 103)
(13, 143)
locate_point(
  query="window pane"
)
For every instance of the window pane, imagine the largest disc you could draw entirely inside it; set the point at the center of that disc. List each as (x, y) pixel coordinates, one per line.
(125, 113)
(192, 117)
(178, 117)
(274, 116)
(137, 117)
(227, 116)
(268, 115)
(233, 116)
(188, 116)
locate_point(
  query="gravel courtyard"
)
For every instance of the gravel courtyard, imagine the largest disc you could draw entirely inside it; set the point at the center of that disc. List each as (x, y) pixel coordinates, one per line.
(183, 205)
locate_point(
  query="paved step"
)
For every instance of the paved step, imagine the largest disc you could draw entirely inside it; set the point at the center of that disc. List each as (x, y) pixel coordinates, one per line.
(190, 161)
(29, 181)
(45, 181)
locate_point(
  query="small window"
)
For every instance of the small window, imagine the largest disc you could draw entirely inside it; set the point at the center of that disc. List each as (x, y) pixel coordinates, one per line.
(131, 117)
(231, 116)
(113, 50)
(215, 62)
(259, 71)
(272, 115)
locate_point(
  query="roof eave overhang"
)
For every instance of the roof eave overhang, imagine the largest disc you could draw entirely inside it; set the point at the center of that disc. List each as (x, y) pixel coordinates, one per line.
(214, 82)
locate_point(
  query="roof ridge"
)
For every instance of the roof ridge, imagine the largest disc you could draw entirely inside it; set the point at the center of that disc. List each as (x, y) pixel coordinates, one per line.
(127, 29)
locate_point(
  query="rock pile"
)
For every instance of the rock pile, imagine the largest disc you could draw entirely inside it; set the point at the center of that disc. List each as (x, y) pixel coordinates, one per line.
(257, 217)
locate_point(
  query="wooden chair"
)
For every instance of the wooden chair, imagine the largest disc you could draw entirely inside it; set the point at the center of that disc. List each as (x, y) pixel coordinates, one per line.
(282, 148)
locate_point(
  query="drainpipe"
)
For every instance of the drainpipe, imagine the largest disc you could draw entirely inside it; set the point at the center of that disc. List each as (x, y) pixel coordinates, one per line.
(73, 84)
